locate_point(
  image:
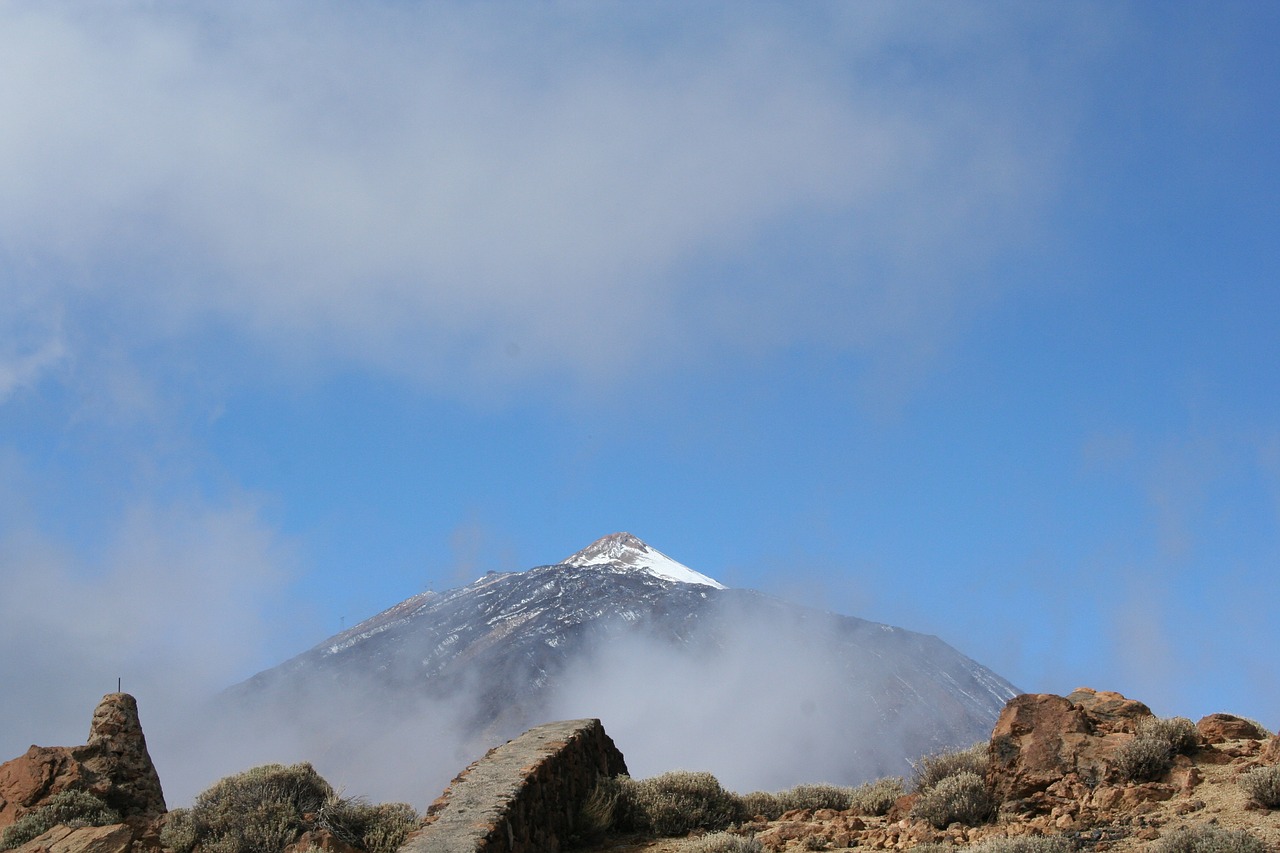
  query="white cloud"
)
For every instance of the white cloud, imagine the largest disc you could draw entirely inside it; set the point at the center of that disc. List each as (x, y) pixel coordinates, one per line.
(431, 191)
(176, 602)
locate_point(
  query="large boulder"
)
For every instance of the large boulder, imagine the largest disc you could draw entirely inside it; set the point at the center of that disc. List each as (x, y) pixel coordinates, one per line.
(1040, 738)
(117, 838)
(1220, 728)
(113, 765)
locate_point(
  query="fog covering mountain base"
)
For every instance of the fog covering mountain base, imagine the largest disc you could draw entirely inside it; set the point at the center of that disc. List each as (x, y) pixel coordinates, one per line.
(684, 673)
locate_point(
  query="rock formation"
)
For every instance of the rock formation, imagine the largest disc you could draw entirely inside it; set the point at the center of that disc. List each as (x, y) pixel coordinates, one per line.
(523, 796)
(113, 765)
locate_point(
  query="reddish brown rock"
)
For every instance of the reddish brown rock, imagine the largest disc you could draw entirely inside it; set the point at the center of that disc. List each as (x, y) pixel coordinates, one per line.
(1271, 752)
(117, 838)
(1219, 728)
(1041, 738)
(1108, 711)
(113, 765)
(33, 777)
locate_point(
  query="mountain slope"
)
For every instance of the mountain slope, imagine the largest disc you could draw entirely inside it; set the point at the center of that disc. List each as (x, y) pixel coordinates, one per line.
(682, 670)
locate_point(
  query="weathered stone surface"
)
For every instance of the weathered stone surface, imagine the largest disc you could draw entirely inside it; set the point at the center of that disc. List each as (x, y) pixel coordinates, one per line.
(1219, 728)
(1041, 738)
(1108, 711)
(523, 796)
(33, 777)
(117, 838)
(117, 753)
(1271, 752)
(113, 765)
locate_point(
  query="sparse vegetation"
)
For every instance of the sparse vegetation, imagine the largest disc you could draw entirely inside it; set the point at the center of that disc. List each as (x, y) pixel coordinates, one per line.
(725, 842)
(265, 809)
(1263, 785)
(674, 803)
(1025, 844)
(876, 798)
(1178, 732)
(1150, 754)
(761, 804)
(932, 769)
(1209, 839)
(961, 797)
(820, 796)
(69, 808)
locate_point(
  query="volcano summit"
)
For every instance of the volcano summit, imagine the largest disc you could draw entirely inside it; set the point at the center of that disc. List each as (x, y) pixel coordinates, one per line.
(684, 671)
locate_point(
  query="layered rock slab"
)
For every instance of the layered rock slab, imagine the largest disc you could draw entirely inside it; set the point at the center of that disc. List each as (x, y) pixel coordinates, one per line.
(523, 796)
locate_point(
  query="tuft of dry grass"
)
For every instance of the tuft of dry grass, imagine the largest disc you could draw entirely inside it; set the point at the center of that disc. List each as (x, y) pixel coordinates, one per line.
(932, 769)
(961, 797)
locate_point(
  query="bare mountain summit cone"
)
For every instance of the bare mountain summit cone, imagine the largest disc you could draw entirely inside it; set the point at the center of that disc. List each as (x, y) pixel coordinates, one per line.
(628, 552)
(682, 670)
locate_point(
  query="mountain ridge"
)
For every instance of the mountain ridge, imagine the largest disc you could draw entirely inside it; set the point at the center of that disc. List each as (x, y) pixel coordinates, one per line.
(692, 668)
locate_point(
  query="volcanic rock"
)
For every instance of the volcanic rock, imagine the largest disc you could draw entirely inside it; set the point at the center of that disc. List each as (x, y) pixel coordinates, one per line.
(1040, 738)
(113, 765)
(117, 838)
(1219, 728)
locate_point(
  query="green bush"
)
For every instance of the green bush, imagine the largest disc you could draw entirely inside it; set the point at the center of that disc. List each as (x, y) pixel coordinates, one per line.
(725, 842)
(1209, 839)
(961, 797)
(876, 798)
(1263, 784)
(819, 796)
(932, 769)
(1179, 733)
(265, 809)
(69, 808)
(675, 803)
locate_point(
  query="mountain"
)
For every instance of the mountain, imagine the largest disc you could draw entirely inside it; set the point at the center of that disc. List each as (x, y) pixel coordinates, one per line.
(684, 671)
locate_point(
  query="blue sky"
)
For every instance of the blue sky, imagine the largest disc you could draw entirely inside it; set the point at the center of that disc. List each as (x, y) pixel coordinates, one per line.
(960, 317)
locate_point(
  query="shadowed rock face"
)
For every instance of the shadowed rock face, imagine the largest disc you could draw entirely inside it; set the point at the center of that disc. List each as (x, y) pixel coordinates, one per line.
(523, 796)
(113, 765)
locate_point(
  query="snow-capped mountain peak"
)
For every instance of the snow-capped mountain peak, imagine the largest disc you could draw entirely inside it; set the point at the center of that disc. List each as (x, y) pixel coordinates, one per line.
(623, 549)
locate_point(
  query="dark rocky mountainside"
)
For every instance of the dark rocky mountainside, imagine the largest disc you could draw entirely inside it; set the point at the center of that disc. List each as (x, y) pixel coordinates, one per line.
(668, 656)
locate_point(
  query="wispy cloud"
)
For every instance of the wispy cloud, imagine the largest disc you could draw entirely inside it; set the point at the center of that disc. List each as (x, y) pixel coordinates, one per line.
(457, 196)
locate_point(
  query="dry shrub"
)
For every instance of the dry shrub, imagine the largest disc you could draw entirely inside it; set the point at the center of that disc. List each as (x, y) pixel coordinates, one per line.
(725, 842)
(1209, 839)
(820, 796)
(69, 808)
(675, 803)
(932, 769)
(1263, 784)
(265, 809)
(876, 798)
(761, 804)
(598, 811)
(1179, 733)
(1143, 759)
(1026, 844)
(961, 797)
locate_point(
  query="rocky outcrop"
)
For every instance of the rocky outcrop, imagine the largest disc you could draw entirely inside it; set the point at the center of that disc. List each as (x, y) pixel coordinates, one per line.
(1041, 738)
(117, 838)
(1220, 728)
(523, 796)
(113, 765)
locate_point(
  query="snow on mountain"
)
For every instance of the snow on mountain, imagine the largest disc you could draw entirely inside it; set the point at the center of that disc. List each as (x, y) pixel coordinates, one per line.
(625, 550)
(683, 671)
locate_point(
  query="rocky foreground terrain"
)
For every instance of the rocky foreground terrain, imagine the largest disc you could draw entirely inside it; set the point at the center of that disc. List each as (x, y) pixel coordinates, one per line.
(1095, 770)
(1055, 768)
